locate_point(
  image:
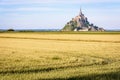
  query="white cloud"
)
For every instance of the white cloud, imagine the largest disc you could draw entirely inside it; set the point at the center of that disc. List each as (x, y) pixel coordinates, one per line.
(29, 9)
(37, 9)
(32, 9)
(11, 2)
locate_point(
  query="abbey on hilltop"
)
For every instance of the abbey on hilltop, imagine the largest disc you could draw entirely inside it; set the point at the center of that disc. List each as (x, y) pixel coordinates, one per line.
(81, 23)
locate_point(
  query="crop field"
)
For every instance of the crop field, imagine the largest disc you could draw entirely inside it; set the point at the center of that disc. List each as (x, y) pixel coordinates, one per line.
(59, 56)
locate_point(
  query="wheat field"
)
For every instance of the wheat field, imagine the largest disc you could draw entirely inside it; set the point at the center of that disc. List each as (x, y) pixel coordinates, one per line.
(46, 56)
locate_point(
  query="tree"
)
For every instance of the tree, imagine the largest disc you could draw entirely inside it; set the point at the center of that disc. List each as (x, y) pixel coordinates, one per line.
(10, 30)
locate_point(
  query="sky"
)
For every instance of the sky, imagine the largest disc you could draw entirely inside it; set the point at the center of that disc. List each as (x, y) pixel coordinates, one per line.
(54, 14)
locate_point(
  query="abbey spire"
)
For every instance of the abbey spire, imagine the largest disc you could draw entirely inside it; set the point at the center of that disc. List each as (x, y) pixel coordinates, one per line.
(80, 12)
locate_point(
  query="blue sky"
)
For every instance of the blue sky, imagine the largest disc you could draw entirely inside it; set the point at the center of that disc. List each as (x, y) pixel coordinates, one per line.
(54, 14)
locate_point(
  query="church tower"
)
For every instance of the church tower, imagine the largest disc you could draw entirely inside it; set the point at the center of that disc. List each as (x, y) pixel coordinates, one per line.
(80, 13)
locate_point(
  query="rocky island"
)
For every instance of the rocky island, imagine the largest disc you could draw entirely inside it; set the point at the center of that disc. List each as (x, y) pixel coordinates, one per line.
(81, 23)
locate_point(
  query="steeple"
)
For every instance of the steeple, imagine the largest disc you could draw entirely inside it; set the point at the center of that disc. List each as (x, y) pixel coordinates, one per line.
(80, 11)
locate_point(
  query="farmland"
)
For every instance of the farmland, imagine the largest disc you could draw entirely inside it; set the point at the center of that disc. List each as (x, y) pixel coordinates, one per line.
(59, 55)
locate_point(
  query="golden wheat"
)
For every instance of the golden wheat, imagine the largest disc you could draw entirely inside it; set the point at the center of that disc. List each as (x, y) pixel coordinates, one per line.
(36, 56)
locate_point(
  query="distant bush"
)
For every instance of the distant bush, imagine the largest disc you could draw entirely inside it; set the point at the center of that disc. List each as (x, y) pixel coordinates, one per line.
(26, 31)
(10, 30)
(56, 58)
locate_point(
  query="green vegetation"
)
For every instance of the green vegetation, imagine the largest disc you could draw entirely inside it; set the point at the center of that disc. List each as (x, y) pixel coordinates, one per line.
(60, 56)
(70, 26)
(10, 30)
(64, 32)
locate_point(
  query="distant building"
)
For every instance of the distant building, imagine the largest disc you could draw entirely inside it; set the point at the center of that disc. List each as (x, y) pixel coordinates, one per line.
(80, 23)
